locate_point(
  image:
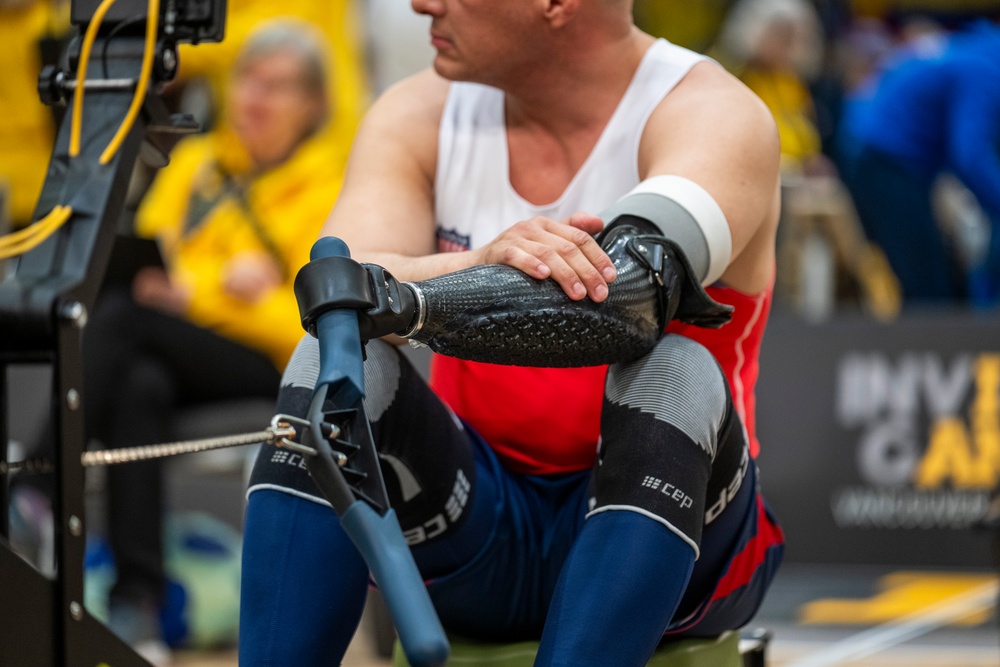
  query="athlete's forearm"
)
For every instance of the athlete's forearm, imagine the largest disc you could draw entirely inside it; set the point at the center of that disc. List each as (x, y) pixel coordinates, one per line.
(414, 268)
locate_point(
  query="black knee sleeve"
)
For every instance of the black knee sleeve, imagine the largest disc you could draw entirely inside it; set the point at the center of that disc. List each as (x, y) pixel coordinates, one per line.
(670, 437)
(425, 457)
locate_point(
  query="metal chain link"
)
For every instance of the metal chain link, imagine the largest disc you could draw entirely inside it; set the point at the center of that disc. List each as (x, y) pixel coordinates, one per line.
(272, 435)
(130, 454)
(30, 466)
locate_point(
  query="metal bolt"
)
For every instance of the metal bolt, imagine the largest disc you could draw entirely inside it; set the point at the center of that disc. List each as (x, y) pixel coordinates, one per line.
(75, 526)
(641, 248)
(73, 399)
(169, 60)
(75, 610)
(76, 313)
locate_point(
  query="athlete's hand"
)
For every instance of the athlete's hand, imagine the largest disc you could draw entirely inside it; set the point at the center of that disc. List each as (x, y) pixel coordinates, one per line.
(562, 250)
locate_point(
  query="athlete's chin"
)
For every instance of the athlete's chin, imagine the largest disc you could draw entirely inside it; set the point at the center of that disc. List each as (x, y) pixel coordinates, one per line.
(452, 70)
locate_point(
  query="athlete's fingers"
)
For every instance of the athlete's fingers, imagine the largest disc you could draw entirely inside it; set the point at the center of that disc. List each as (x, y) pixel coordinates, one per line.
(542, 248)
(511, 254)
(591, 224)
(539, 260)
(587, 257)
(561, 268)
(586, 222)
(567, 251)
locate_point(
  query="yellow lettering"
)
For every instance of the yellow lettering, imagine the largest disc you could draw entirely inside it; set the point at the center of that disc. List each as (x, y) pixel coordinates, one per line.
(948, 458)
(955, 457)
(986, 422)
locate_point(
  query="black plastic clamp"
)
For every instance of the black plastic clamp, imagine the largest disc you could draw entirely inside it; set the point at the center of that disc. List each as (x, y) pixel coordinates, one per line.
(385, 306)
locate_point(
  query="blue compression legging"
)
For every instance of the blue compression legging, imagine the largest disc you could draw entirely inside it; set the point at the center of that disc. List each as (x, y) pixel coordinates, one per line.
(304, 584)
(630, 592)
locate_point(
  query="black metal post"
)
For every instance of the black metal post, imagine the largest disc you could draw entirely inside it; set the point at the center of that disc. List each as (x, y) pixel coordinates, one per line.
(43, 310)
(4, 437)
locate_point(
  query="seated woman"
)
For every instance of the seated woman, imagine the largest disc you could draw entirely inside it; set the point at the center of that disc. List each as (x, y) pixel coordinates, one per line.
(234, 214)
(775, 47)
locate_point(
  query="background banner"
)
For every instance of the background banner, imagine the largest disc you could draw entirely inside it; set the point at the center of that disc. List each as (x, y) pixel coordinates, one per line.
(880, 443)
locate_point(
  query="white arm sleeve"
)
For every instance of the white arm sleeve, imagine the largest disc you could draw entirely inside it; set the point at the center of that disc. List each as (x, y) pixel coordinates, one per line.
(686, 214)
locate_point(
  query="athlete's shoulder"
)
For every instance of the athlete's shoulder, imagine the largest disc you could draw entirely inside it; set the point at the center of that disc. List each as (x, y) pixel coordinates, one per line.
(711, 111)
(709, 98)
(402, 125)
(416, 100)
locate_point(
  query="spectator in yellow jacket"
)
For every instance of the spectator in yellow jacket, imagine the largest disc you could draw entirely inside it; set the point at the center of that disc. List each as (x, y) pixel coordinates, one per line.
(234, 234)
(338, 20)
(775, 47)
(235, 213)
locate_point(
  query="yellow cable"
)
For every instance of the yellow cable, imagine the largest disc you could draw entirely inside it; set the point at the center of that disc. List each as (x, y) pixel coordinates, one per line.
(81, 75)
(152, 18)
(22, 236)
(45, 228)
(20, 242)
(39, 231)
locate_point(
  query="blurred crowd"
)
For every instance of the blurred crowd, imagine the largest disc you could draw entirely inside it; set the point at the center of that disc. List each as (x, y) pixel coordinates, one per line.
(888, 113)
(889, 118)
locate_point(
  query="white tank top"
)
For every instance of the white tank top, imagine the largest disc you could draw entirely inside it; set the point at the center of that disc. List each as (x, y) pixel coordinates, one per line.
(475, 200)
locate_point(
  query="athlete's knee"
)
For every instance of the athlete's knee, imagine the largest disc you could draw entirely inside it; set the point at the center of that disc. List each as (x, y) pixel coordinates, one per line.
(382, 377)
(661, 424)
(383, 370)
(299, 379)
(679, 382)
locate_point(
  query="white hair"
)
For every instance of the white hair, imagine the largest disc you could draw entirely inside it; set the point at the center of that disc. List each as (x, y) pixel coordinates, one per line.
(750, 20)
(300, 38)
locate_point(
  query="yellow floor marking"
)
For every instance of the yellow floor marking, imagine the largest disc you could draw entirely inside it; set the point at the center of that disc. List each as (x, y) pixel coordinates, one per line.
(899, 594)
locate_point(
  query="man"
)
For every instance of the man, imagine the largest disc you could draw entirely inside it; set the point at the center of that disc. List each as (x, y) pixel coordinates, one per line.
(564, 106)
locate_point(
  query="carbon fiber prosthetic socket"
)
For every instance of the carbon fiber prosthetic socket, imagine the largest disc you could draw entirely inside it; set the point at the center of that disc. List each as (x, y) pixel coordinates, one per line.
(498, 314)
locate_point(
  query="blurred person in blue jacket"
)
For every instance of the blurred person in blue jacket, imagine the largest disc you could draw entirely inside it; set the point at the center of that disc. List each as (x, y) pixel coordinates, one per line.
(932, 110)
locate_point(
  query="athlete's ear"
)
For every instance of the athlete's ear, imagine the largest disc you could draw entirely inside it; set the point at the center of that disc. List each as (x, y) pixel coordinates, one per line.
(560, 12)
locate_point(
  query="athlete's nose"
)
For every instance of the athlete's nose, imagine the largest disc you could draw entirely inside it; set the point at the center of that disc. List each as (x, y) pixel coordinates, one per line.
(428, 7)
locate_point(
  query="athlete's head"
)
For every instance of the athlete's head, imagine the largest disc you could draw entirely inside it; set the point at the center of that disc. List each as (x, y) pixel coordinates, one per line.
(496, 41)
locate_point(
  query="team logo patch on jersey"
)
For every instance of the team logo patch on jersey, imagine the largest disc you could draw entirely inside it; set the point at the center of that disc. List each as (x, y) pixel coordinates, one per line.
(449, 240)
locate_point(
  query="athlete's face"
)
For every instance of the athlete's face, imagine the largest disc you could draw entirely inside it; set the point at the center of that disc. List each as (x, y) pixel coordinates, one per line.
(483, 40)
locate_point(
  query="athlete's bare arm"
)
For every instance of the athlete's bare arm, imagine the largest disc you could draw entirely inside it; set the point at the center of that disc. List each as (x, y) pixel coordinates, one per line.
(385, 212)
(714, 131)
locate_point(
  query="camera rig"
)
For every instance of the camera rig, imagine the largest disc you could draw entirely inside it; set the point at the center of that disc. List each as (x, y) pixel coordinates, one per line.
(44, 303)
